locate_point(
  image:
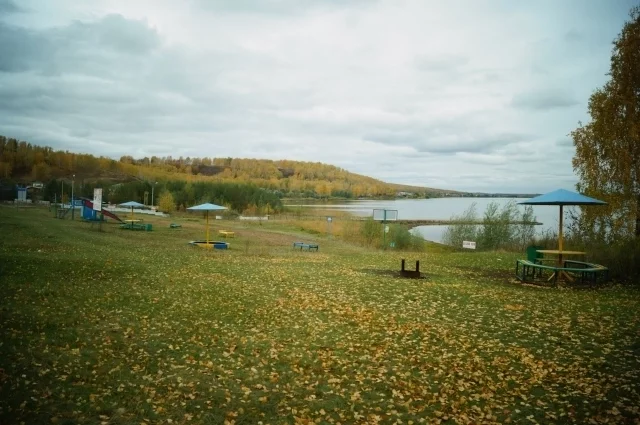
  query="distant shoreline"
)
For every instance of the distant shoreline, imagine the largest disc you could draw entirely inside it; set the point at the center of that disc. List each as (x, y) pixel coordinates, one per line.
(482, 196)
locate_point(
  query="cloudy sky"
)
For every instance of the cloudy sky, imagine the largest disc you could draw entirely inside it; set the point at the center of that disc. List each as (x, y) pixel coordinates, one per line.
(472, 95)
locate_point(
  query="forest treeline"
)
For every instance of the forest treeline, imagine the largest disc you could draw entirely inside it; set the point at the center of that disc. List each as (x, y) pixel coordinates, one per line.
(25, 162)
(171, 195)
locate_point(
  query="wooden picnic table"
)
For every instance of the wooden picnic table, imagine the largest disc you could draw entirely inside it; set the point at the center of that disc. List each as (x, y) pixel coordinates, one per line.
(560, 253)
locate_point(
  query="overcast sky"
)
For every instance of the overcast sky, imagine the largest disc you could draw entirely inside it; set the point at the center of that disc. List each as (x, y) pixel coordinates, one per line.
(467, 95)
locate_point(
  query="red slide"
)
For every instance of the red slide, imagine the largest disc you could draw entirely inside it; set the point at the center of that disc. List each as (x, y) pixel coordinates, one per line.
(89, 204)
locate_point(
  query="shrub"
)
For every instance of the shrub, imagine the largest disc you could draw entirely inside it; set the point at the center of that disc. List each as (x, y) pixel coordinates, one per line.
(621, 258)
(497, 230)
(403, 239)
(371, 232)
(462, 228)
(166, 202)
(525, 232)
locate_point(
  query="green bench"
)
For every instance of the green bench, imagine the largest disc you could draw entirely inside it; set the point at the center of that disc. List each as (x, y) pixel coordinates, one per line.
(136, 226)
(528, 271)
(307, 246)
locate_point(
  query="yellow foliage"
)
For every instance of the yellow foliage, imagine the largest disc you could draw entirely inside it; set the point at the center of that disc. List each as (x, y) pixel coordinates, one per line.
(166, 202)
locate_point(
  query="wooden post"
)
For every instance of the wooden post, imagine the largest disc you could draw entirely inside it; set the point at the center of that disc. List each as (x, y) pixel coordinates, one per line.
(560, 242)
(418, 266)
(402, 264)
(560, 231)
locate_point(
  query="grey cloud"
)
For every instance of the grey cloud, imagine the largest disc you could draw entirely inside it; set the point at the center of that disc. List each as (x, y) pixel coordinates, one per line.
(95, 48)
(481, 158)
(543, 99)
(77, 132)
(111, 75)
(488, 77)
(573, 35)
(446, 139)
(20, 49)
(446, 64)
(9, 6)
(278, 7)
(112, 32)
(457, 68)
(342, 94)
(564, 143)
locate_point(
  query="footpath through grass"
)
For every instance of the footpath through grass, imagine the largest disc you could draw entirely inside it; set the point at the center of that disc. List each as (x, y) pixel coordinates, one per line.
(124, 327)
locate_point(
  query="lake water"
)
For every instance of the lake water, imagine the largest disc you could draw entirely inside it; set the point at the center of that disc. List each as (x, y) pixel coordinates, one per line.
(435, 208)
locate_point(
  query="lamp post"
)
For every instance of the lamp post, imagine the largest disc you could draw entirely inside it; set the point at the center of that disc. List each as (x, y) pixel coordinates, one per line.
(73, 207)
(153, 187)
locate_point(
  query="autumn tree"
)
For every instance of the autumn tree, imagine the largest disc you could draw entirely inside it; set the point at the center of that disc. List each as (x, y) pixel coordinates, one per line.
(607, 158)
(5, 169)
(166, 202)
(22, 161)
(40, 172)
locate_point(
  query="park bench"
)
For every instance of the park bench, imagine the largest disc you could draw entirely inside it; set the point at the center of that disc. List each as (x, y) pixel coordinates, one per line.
(307, 246)
(137, 226)
(227, 234)
(528, 271)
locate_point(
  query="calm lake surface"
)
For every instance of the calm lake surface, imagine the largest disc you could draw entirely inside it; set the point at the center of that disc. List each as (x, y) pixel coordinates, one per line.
(435, 208)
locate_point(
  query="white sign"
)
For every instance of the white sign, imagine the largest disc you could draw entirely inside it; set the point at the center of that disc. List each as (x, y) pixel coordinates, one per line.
(329, 219)
(97, 199)
(386, 229)
(468, 244)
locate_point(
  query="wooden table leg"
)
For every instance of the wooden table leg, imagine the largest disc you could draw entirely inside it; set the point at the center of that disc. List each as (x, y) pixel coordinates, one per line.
(567, 276)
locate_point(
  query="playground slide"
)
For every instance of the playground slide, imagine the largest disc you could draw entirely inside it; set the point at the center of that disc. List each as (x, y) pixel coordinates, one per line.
(89, 204)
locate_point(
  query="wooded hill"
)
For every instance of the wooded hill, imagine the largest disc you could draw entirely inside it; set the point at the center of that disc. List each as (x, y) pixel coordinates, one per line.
(24, 162)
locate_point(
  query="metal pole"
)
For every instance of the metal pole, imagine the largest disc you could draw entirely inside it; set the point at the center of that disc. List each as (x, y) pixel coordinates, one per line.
(384, 230)
(207, 237)
(73, 209)
(152, 187)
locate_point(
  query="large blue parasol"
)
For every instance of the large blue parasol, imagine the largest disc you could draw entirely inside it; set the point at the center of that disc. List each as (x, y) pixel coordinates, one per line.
(562, 197)
(207, 207)
(132, 204)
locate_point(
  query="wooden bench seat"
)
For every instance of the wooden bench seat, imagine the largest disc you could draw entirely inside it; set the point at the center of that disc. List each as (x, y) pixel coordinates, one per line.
(227, 234)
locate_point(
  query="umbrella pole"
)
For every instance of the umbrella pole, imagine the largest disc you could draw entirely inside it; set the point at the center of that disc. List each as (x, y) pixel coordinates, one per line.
(560, 263)
(560, 231)
(207, 229)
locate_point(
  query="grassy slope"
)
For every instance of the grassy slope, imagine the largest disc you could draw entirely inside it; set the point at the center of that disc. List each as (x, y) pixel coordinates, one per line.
(126, 327)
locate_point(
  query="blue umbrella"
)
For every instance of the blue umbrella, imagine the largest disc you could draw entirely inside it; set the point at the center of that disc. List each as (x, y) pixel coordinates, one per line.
(562, 197)
(132, 204)
(207, 207)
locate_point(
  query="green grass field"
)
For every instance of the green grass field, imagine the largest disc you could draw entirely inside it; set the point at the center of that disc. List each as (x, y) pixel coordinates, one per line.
(121, 327)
